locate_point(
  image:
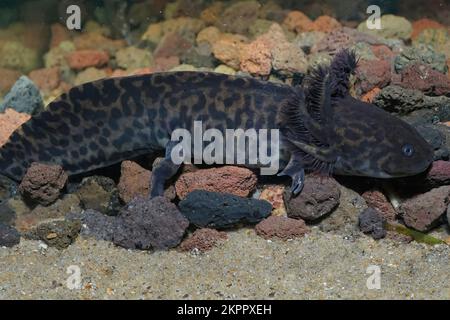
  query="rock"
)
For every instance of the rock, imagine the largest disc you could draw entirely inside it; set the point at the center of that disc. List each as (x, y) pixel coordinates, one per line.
(208, 35)
(10, 120)
(46, 79)
(306, 40)
(424, 78)
(9, 237)
(274, 195)
(325, 24)
(424, 211)
(88, 75)
(100, 194)
(203, 239)
(27, 220)
(8, 188)
(225, 70)
(199, 56)
(382, 52)
(95, 224)
(222, 210)
(316, 59)
(136, 181)
(183, 26)
(372, 74)
(7, 80)
(256, 58)
(58, 233)
(227, 179)
(43, 184)
(172, 44)
(372, 221)
(212, 13)
(227, 49)
(396, 99)
(238, 17)
(15, 55)
(319, 197)
(438, 39)
(259, 27)
(420, 54)
(281, 227)
(297, 21)
(436, 139)
(422, 24)
(59, 33)
(391, 27)
(166, 63)
(134, 58)
(56, 57)
(146, 224)
(184, 67)
(344, 219)
(96, 41)
(370, 95)
(82, 59)
(24, 97)
(439, 173)
(377, 200)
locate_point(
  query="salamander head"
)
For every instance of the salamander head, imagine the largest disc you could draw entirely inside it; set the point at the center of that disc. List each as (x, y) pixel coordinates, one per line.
(371, 142)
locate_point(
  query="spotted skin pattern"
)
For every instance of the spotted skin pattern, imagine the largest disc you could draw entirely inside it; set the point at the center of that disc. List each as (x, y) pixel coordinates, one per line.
(322, 127)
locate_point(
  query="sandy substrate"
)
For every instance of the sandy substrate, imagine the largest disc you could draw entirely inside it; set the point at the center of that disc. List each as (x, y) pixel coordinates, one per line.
(318, 266)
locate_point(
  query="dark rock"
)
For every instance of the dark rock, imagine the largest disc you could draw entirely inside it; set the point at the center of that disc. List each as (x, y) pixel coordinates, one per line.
(238, 17)
(58, 233)
(424, 211)
(436, 139)
(320, 196)
(222, 210)
(9, 236)
(203, 240)
(7, 213)
(372, 74)
(420, 54)
(281, 227)
(396, 99)
(439, 173)
(377, 200)
(43, 184)
(200, 56)
(372, 221)
(100, 194)
(95, 224)
(23, 97)
(8, 188)
(145, 224)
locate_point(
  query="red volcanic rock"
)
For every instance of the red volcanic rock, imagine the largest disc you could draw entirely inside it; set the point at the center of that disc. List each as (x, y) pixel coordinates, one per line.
(59, 33)
(256, 58)
(45, 79)
(378, 200)
(297, 21)
(43, 183)
(325, 24)
(372, 74)
(424, 211)
(7, 79)
(422, 24)
(203, 240)
(10, 120)
(172, 44)
(382, 52)
(82, 59)
(369, 96)
(424, 78)
(439, 173)
(281, 227)
(228, 179)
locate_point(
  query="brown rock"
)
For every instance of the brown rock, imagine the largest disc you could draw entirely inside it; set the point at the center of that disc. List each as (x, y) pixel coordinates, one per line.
(320, 196)
(46, 79)
(59, 33)
(211, 14)
(203, 240)
(378, 200)
(382, 52)
(256, 58)
(227, 49)
(274, 195)
(439, 173)
(281, 227)
(323, 24)
(372, 74)
(43, 183)
(10, 120)
(83, 59)
(422, 24)
(369, 96)
(100, 194)
(209, 35)
(96, 41)
(238, 17)
(172, 44)
(7, 79)
(166, 63)
(424, 78)
(228, 179)
(423, 212)
(297, 21)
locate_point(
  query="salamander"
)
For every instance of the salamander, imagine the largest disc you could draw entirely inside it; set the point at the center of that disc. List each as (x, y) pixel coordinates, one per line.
(322, 127)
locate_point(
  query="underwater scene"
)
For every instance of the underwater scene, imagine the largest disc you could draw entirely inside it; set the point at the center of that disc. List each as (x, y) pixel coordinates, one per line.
(222, 150)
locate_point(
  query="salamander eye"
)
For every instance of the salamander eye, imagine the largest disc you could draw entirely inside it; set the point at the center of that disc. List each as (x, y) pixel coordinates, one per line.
(408, 150)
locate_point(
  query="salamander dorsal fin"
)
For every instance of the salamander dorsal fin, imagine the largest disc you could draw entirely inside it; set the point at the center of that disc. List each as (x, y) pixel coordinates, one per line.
(342, 66)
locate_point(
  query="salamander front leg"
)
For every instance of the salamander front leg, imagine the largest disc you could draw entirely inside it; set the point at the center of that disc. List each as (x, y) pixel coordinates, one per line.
(162, 172)
(295, 170)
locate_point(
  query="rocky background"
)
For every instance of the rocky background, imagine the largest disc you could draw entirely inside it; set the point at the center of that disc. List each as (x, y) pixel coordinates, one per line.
(403, 69)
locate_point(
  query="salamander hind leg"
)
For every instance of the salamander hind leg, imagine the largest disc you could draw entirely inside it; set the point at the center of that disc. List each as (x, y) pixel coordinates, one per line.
(163, 171)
